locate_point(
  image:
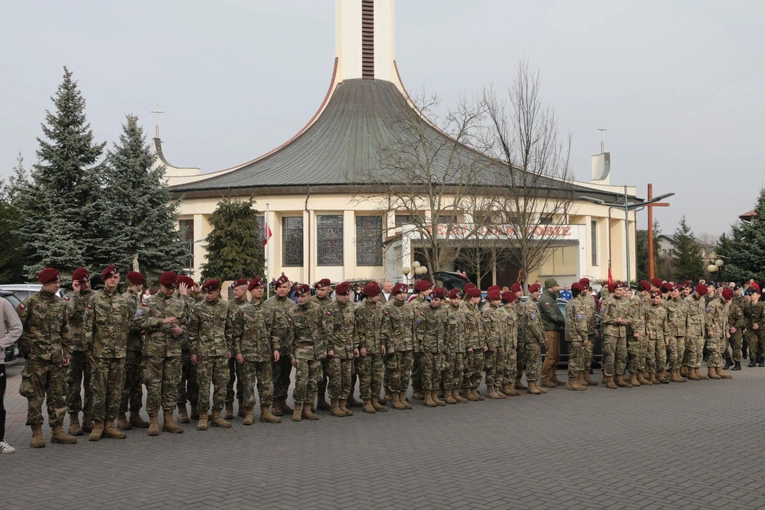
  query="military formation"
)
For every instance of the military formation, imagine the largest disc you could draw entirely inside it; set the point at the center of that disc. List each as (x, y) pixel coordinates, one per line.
(185, 344)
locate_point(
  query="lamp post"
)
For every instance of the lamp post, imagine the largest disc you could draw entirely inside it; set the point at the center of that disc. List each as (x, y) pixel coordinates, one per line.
(716, 267)
(627, 206)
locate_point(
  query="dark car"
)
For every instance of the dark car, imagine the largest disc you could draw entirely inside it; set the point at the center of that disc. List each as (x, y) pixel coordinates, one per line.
(450, 279)
(13, 351)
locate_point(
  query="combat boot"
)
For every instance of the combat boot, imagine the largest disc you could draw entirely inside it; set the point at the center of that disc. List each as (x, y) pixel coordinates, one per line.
(712, 373)
(586, 379)
(417, 394)
(74, 424)
(449, 398)
(685, 371)
(229, 410)
(643, 378)
(123, 423)
(574, 385)
(136, 420)
(429, 402)
(701, 376)
(168, 425)
(692, 374)
(219, 421)
(659, 376)
(308, 413)
(202, 423)
(491, 392)
(194, 411)
(610, 384)
(378, 406)
(633, 380)
(533, 389)
(752, 362)
(37, 437)
(385, 398)
(477, 394)
(437, 399)
(368, 408)
(459, 398)
(59, 436)
(242, 411)
(728, 364)
(620, 382)
(519, 384)
(153, 424)
(87, 425)
(266, 416)
(344, 407)
(249, 415)
(276, 410)
(284, 407)
(737, 365)
(472, 397)
(352, 402)
(403, 400)
(111, 431)
(654, 378)
(508, 390)
(322, 404)
(183, 416)
(675, 376)
(397, 405)
(297, 413)
(722, 374)
(762, 361)
(336, 411)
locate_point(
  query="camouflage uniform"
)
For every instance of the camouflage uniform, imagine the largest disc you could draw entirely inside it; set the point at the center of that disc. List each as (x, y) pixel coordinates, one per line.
(535, 337)
(277, 307)
(430, 330)
(696, 331)
(615, 334)
(755, 314)
(736, 320)
(494, 358)
(657, 335)
(79, 372)
(188, 387)
(105, 340)
(161, 350)
(45, 343)
(397, 331)
(509, 344)
(715, 321)
(209, 339)
(338, 324)
(132, 391)
(368, 318)
(677, 315)
(455, 348)
(254, 337)
(577, 332)
(589, 302)
(520, 350)
(307, 341)
(324, 381)
(416, 366)
(475, 342)
(235, 370)
(641, 353)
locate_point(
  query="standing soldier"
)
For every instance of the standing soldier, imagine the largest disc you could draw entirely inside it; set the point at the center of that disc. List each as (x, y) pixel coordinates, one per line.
(475, 343)
(553, 323)
(80, 371)
(430, 331)
(188, 388)
(493, 325)
(577, 335)
(105, 344)
(235, 373)
(323, 290)
(755, 327)
(255, 345)
(307, 340)
(615, 317)
(677, 314)
(715, 321)
(641, 354)
(658, 335)
(696, 332)
(368, 319)
(422, 291)
(397, 332)
(509, 345)
(277, 307)
(520, 312)
(209, 344)
(338, 324)
(163, 318)
(132, 391)
(455, 349)
(535, 337)
(592, 332)
(736, 324)
(47, 347)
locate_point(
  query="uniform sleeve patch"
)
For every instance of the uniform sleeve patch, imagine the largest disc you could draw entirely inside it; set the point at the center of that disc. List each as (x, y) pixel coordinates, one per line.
(66, 298)
(89, 307)
(21, 306)
(329, 314)
(547, 304)
(144, 304)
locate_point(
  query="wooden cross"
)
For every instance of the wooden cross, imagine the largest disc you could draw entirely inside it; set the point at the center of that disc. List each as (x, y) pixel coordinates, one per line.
(156, 111)
(650, 207)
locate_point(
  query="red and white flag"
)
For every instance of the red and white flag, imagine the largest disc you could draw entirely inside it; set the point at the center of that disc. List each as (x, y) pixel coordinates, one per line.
(267, 234)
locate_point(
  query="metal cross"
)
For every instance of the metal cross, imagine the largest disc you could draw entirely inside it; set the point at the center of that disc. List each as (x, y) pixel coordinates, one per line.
(602, 143)
(156, 111)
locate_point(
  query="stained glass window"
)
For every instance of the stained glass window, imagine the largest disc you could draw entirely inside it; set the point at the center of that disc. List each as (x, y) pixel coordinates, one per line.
(292, 241)
(187, 231)
(369, 241)
(329, 243)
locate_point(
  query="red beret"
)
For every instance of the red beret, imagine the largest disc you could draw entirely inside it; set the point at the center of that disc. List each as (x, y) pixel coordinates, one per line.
(255, 282)
(186, 280)
(473, 292)
(48, 275)
(240, 281)
(584, 282)
(677, 287)
(644, 285)
(81, 275)
(493, 287)
(168, 279)
(509, 296)
(303, 289)
(422, 285)
(656, 282)
(372, 289)
(469, 285)
(620, 285)
(666, 286)
(399, 288)
(211, 285)
(727, 293)
(324, 282)
(109, 271)
(611, 287)
(438, 292)
(535, 287)
(281, 280)
(655, 293)
(136, 278)
(756, 286)
(493, 295)
(342, 289)
(577, 286)
(516, 287)
(701, 289)
(453, 294)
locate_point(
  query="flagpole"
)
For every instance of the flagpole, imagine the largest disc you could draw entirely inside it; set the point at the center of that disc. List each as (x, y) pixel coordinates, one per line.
(265, 254)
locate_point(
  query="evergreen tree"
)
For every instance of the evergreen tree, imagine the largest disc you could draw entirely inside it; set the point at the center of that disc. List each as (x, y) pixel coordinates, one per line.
(235, 246)
(12, 255)
(641, 242)
(744, 250)
(64, 211)
(141, 207)
(687, 263)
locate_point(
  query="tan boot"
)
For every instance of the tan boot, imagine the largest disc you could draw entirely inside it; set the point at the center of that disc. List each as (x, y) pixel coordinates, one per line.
(242, 411)
(722, 374)
(684, 372)
(335, 410)
(644, 379)
(691, 374)
(449, 398)
(37, 436)
(322, 404)
(459, 398)
(403, 400)
(153, 424)
(87, 424)
(284, 407)
(429, 402)
(308, 413)
(533, 388)
(658, 378)
(276, 409)
(701, 376)
(229, 411)
(266, 416)
(194, 411)
(168, 425)
(386, 398)
(620, 382)
(396, 402)
(368, 408)
(508, 390)
(609, 382)
(573, 384)
(249, 416)
(219, 421)
(587, 379)
(74, 424)
(297, 412)
(344, 407)
(712, 373)
(491, 392)
(675, 376)
(437, 399)
(519, 384)
(136, 420)
(111, 431)
(202, 423)
(634, 381)
(471, 395)
(123, 423)
(59, 436)
(378, 406)
(477, 394)
(417, 394)
(183, 416)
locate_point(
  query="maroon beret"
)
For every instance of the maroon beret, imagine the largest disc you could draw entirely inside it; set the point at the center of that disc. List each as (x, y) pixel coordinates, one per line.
(372, 289)
(168, 279)
(282, 280)
(509, 296)
(454, 293)
(584, 282)
(701, 289)
(186, 280)
(255, 282)
(516, 287)
(342, 289)
(109, 271)
(136, 278)
(644, 285)
(473, 292)
(677, 287)
(399, 288)
(577, 286)
(611, 287)
(48, 275)
(493, 287)
(303, 289)
(655, 293)
(469, 285)
(438, 292)
(240, 281)
(494, 294)
(81, 275)
(666, 287)
(656, 282)
(727, 293)
(324, 282)
(211, 286)
(620, 285)
(422, 285)
(535, 287)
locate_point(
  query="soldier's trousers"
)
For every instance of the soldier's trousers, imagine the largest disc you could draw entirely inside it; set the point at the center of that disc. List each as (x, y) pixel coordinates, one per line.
(212, 369)
(455, 367)
(398, 366)
(552, 356)
(132, 390)
(533, 361)
(614, 355)
(43, 380)
(78, 378)
(735, 344)
(107, 383)
(370, 369)
(433, 364)
(675, 352)
(712, 347)
(324, 381)
(646, 358)
(280, 372)
(340, 375)
(490, 367)
(587, 354)
(235, 381)
(257, 373)
(575, 359)
(661, 355)
(520, 352)
(510, 369)
(161, 377)
(698, 351)
(188, 388)
(307, 375)
(637, 352)
(473, 368)
(417, 374)
(689, 356)
(756, 343)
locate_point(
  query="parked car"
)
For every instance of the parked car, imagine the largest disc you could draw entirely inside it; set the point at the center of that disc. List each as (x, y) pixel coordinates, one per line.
(12, 352)
(451, 279)
(24, 290)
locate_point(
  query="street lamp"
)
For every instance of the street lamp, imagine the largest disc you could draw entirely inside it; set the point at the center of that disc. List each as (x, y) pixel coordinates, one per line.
(627, 208)
(716, 268)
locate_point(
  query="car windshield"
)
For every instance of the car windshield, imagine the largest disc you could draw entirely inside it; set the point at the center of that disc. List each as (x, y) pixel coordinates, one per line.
(12, 299)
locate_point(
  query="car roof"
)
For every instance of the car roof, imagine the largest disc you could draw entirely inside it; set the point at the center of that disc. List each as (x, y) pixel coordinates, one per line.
(22, 286)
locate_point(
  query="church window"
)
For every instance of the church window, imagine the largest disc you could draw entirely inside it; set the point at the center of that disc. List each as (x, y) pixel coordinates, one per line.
(292, 241)
(329, 234)
(369, 241)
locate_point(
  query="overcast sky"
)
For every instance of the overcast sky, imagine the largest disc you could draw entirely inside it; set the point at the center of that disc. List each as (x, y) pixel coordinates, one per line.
(678, 84)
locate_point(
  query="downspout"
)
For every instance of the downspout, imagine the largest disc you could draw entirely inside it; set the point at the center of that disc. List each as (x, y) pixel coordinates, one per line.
(308, 230)
(609, 238)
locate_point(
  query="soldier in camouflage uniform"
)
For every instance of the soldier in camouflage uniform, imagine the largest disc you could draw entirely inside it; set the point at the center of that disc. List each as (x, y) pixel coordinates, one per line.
(716, 322)
(455, 349)
(132, 391)
(163, 318)
(235, 373)
(727, 297)
(736, 325)
(422, 291)
(755, 327)
(592, 332)
(322, 298)
(188, 388)
(430, 330)
(677, 314)
(509, 344)
(658, 335)
(209, 342)
(338, 324)
(80, 371)
(368, 319)
(475, 342)
(47, 347)
(520, 349)
(307, 341)
(696, 332)
(641, 352)
(577, 335)
(255, 346)
(616, 314)
(277, 306)
(494, 357)
(535, 337)
(104, 344)
(397, 332)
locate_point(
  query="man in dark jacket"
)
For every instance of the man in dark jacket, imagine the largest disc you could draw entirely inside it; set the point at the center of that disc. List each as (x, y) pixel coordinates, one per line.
(553, 323)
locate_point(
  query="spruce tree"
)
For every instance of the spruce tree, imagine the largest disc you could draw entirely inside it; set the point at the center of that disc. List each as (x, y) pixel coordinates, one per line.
(141, 206)
(641, 247)
(235, 246)
(12, 255)
(687, 263)
(743, 251)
